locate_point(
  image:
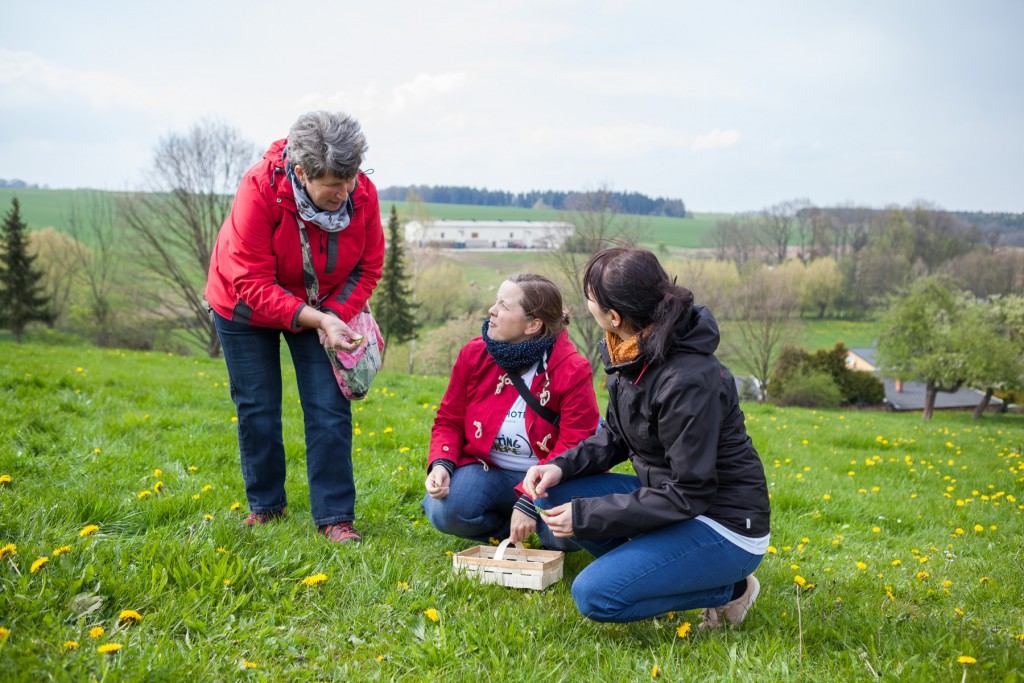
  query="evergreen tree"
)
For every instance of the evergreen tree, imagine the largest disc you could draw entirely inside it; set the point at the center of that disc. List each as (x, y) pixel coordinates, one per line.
(22, 299)
(393, 306)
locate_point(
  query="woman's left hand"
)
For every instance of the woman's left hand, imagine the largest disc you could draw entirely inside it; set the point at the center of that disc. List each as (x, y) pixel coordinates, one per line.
(335, 334)
(559, 520)
(522, 525)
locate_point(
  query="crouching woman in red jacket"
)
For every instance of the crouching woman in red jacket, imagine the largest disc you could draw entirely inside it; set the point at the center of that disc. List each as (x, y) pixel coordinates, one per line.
(687, 531)
(519, 394)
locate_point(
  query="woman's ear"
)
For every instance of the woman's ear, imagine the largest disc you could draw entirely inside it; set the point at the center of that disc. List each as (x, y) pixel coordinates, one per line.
(615, 317)
(533, 327)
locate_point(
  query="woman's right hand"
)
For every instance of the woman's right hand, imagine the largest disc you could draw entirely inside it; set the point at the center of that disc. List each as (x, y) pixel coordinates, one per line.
(540, 478)
(336, 335)
(437, 483)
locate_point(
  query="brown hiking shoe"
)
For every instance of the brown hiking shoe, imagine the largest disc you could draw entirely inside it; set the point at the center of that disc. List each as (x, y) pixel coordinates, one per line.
(261, 518)
(734, 611)
(342, 532)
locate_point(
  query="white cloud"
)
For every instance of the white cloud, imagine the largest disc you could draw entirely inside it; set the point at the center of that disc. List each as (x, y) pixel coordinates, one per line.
(27, 79)
(715, 139)
(423, 88)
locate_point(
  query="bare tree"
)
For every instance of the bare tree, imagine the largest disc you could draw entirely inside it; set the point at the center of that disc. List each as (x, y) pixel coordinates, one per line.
(191, 186)
(778, 224)
(763, 308)
(597, 225)
(92, 221)
(733, 238)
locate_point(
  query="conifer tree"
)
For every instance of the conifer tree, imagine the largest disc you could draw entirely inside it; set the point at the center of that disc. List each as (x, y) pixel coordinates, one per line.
(392, 302)
(22, 299)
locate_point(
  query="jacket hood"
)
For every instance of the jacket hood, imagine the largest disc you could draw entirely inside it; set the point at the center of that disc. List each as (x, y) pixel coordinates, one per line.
(696, 333)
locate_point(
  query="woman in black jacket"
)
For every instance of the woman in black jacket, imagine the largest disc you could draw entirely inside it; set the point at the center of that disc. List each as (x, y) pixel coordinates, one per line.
(690, 528)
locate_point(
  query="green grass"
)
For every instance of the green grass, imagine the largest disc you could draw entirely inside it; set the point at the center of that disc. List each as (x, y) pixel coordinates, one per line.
(83, 431)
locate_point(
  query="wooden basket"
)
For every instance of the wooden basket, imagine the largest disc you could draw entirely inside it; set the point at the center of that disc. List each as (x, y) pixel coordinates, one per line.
(515, 567)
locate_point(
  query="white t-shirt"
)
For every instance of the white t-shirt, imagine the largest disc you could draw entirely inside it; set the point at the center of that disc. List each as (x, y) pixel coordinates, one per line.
(511, 449)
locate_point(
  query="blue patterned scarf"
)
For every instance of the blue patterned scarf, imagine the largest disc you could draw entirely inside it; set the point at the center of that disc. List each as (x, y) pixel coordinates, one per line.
(519, 356)
(328, 221)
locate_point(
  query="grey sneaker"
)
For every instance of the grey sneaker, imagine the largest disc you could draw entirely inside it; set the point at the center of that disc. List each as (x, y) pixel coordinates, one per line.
(734, 611)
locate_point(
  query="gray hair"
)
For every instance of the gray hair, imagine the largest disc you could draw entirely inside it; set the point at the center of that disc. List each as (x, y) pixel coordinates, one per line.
(327, 143)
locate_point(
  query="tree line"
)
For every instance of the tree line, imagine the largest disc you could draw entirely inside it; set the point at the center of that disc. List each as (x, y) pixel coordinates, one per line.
(625, 202)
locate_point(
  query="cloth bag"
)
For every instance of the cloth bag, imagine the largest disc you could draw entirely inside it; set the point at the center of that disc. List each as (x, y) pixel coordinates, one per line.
(353, 371)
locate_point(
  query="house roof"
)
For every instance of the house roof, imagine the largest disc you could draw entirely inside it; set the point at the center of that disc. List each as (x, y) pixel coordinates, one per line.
(912, 394)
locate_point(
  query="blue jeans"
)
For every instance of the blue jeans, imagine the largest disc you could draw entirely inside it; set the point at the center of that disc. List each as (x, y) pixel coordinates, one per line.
(479, 507)
(682, 566)
(253, 356)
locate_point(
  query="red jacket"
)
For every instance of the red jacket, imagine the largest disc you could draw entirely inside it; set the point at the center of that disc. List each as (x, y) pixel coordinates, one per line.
(471, 412)
(256, 267)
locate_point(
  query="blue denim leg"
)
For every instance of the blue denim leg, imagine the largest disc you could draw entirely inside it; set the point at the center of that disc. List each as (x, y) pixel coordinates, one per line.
(682, 566)
(589, 487)
(478, 505)
(253, 358)
(327, 417)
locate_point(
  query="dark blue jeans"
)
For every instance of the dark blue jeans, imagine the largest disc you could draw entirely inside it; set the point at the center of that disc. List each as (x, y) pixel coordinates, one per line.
(678, 567)
(253, 356)
(479, 507)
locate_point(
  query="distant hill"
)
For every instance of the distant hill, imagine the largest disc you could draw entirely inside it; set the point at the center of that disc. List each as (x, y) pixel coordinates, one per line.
(625, 202)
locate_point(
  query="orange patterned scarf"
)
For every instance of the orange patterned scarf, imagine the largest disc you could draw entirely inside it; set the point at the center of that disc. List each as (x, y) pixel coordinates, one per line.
(622, 351)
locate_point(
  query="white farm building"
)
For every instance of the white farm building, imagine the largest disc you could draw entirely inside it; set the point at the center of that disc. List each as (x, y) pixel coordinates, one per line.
(487, 234)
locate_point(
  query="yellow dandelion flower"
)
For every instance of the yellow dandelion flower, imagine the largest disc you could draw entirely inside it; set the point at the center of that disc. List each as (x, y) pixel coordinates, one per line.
(108, 648)
(966, 659)
(958, 611)
(979, 528)
(208, 518)
(826, 497)
(9, 549)
(432, 614)
(250, 665)
(143, 494)
(70, 644)
(875, 529)
(38, 564)
(130, 615)
(207, 488)
(158, 487)
(96, 450)
(193, 468)
(4, 632)
(5, 479)
(61, 550)
(227, 583)
(655, 672)
(234, 418)
(947, 583)
(861, 566)
(403, 585)
(922, 576)
(403, 449)
(897, 563)
(236, 505)
(683, 630)
(88, 530)
(158, 473)
(314, 579)
(357, 431)
(983, 579)
(772, 550)
(388, 430)
(195, 496)
(96, 631)
(221, 550)
(799, 580)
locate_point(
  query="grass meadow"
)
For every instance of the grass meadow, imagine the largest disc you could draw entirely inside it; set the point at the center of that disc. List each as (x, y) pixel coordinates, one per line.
(896, 548)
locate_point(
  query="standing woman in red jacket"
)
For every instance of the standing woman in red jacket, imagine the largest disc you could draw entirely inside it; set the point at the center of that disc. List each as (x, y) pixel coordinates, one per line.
(487, 434)
(308, 195)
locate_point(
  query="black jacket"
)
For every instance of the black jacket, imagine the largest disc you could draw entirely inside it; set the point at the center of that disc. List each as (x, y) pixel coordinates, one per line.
(680, 424)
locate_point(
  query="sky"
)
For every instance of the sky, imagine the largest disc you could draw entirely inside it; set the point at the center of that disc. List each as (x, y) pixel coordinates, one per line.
(730, 106)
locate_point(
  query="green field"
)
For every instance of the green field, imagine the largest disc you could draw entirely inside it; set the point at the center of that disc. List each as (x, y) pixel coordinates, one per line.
(50, 208)
(906, 536)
